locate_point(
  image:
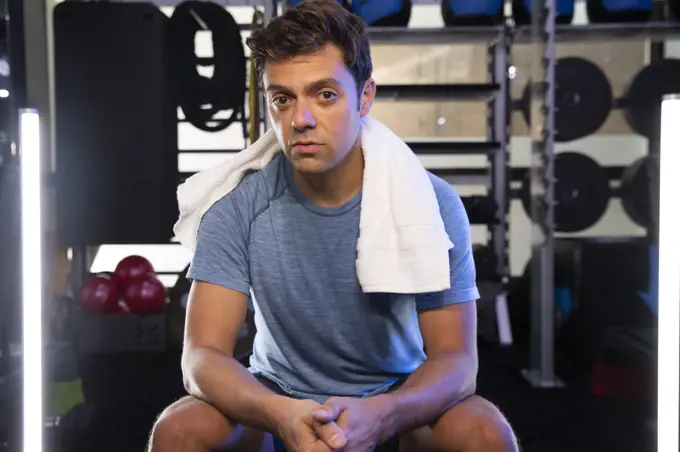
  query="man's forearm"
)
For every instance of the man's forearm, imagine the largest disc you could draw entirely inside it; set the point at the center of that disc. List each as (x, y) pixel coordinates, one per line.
(436, 385)
(224, 383)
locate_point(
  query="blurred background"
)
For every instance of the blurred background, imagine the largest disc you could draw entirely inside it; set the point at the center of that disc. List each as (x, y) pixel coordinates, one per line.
(546, 122)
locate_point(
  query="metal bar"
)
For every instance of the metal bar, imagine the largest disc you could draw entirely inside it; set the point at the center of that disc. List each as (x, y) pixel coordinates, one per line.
(270, 12)
(498, 125)
(604, 32)
(427, 36)
(15, 48)
(17, 54)
(519, 173)
(453, 147)
(657, 51)
(464, 176)
(37, 70)
(541, 368)
(17, 57)
(80, 267)
(471, 91)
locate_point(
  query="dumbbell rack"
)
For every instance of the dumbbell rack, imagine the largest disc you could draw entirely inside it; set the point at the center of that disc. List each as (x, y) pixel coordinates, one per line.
(544, 34)
(495, 92)
(542, 131)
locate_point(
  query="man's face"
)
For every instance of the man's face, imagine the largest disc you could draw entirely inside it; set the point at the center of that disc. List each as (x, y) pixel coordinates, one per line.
(315, 108)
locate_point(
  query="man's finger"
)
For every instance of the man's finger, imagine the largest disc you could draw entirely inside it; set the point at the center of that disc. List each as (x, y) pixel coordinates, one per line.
(320, 446)
(331, 434)
(329, 411)
(309, 441)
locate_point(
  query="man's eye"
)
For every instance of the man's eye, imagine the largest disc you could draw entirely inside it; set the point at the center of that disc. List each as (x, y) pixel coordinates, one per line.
(280, 100)
(328, 95)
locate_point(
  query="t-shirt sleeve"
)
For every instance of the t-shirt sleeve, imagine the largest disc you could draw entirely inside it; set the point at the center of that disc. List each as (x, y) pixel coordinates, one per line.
(461, 261)
(221, 254)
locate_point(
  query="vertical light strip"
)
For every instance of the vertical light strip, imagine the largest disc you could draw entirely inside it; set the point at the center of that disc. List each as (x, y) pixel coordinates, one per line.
(32, 283)
(669, 277)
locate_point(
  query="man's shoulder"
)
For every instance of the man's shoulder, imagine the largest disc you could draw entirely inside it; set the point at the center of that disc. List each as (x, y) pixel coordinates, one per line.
(253, 193)
(444, 191)
(450, 206)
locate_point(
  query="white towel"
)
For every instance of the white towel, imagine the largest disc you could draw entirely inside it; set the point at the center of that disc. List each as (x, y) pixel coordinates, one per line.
(402, 246)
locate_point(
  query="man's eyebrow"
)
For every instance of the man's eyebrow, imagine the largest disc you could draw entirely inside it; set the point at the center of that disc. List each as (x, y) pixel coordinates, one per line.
(330, 81)
(314, 86)
(279, 89)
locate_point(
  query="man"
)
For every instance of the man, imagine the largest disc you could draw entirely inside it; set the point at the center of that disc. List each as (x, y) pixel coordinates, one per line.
(332, 368)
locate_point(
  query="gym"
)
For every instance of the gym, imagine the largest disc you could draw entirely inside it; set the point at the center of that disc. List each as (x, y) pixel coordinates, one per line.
(549, 118)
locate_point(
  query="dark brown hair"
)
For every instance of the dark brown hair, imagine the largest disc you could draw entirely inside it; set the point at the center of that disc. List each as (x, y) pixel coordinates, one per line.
(306, 29)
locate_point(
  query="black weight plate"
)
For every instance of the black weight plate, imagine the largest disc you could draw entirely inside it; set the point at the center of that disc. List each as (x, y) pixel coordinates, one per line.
(486, 309)
(674, 7)
(635, 192)
(485, 262)
(481, 209)
(583, 99)
(643, 100)
(582, 192)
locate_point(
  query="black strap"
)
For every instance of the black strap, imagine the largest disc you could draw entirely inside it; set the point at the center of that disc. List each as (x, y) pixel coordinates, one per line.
(200, 97)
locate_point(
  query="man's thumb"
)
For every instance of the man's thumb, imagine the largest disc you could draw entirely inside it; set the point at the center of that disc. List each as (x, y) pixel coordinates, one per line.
(332, 435)
(329, 411)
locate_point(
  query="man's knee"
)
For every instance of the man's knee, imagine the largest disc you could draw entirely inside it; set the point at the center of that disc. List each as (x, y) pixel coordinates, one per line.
(172, 429)
(478, 425)
(189, 425)
(492, 435)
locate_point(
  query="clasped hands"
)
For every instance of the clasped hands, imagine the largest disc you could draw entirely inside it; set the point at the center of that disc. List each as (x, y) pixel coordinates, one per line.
(340, 424)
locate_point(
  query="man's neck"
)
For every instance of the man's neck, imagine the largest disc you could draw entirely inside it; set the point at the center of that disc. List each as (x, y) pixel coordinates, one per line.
(336, 186)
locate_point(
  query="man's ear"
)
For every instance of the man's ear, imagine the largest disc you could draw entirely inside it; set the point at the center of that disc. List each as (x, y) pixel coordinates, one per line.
(367, 97)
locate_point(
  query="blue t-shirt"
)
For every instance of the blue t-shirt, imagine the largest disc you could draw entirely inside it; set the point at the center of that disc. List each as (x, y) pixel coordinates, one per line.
(318, 334)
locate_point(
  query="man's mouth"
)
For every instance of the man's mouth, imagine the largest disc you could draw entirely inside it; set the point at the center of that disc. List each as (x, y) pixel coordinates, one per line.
(306, 147)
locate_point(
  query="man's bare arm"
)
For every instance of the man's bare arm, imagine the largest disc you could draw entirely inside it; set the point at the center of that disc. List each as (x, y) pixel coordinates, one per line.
(448, 375)
(214, 317)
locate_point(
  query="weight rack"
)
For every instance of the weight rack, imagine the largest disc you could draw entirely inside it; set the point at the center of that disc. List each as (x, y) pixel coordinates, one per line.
(542, 131)
(545, 34)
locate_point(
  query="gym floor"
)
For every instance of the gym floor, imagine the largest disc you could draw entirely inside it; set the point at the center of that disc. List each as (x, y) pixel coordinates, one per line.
(132, 390)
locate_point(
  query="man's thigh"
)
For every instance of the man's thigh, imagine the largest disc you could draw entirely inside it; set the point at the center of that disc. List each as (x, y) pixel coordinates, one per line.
(472, 425)
(191, 424)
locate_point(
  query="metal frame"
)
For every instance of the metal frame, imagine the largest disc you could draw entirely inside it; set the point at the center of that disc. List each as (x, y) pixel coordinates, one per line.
(544, 34)
(271, 9)
(657, 50)
(498, 125)
(14, 44)
(541, 371)
(17, 56)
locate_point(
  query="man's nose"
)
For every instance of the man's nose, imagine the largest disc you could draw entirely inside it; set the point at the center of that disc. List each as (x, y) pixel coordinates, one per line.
(302, 117)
